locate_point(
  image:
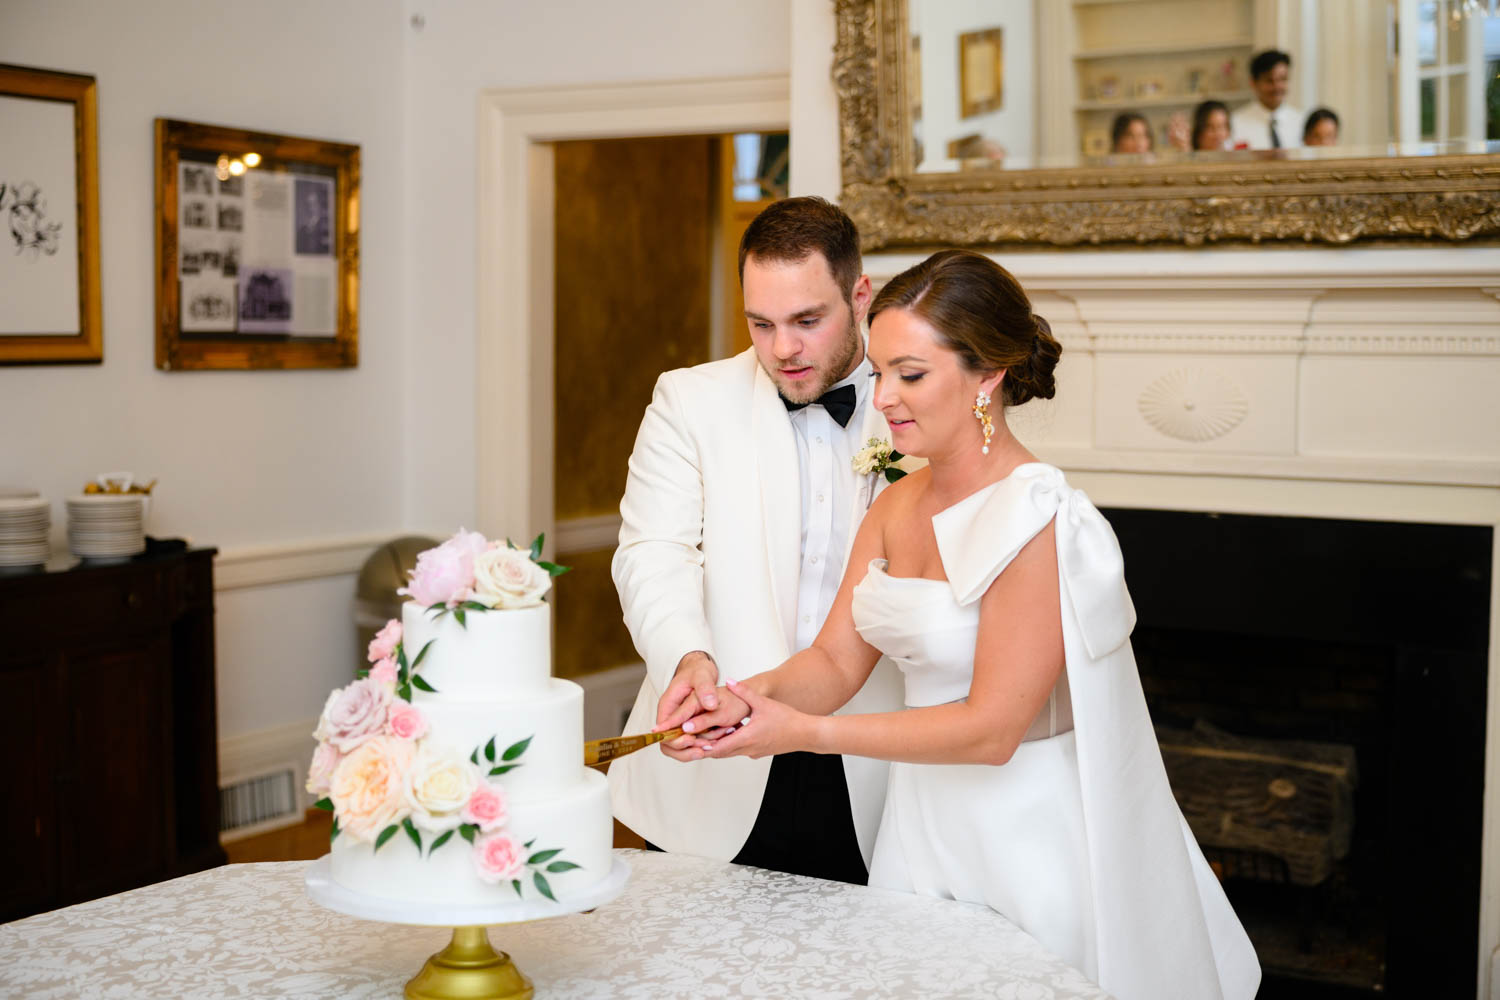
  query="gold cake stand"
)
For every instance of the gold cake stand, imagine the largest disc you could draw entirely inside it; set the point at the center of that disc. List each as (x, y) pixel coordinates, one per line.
(469, 968)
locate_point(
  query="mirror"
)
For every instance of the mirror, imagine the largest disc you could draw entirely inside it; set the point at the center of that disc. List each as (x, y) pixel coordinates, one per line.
(1066, 122)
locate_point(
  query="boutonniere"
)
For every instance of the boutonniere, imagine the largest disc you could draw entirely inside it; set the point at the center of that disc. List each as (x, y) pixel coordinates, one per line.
(877, 457)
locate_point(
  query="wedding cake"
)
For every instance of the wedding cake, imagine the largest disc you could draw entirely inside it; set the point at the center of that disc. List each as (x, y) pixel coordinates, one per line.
(454, 765)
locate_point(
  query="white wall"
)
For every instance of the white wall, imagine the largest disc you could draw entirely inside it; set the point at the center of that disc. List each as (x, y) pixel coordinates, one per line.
(462, 49)
(243, 458)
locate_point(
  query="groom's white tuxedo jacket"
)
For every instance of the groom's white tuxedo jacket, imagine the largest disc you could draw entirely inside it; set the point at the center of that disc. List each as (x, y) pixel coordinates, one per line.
(708, 559)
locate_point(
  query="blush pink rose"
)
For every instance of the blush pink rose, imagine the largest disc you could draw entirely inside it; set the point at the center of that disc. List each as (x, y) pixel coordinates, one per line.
(383, 646)
(324, 761)
(384, 673)
(486, 808)
(445, 575)
(497, 857)
(405, 721)
(368, 787)
(354, 714)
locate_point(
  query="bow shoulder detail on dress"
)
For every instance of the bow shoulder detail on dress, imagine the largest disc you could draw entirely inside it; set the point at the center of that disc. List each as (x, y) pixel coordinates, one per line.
(980, 535)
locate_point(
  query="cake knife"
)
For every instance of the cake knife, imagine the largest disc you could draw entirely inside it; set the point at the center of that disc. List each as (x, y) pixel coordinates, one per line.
(601, 751)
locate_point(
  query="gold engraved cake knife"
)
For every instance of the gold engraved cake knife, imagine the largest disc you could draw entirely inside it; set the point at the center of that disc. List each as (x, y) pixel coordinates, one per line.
(601, 751)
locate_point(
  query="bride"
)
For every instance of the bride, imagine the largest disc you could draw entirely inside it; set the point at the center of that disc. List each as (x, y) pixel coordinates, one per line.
(1027, 775)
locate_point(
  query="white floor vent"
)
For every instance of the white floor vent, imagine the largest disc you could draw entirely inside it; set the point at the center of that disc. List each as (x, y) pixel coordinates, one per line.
(262, 802)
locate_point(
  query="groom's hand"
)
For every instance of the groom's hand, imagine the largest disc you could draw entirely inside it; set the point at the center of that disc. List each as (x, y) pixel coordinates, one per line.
(692, 691)
(732, 711)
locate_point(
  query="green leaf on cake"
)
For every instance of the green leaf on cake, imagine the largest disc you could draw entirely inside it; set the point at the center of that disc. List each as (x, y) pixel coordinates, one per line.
(542, 886)
(440, 842)
(411, 831)
(561, 866)
(333, 833)
(439, 607)
(536, 546)
(476, 606)
(468, 830)
(401, 657)
(421, 685)
(528, 843)
(385, 835)
(515, 884)
(541, 856)
(423, 652)
(514, 750)
(404, 692)
(552, 568)
(474, 757)
(325, 804)
(500, 769)
(360, 675)
(489, 750)
(458, 614)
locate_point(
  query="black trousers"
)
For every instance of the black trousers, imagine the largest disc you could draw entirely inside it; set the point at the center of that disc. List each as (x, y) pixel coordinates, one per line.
(805, 826)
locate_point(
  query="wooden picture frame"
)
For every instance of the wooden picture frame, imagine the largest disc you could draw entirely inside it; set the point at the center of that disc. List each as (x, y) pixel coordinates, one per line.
(981, 72)
(50, 310)
(257, 250)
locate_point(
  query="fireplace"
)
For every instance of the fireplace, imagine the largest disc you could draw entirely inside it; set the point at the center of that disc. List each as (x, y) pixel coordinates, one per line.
(1344, 662)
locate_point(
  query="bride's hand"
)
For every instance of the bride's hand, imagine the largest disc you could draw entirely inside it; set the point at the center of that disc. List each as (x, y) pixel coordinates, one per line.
(731, 712)
(771, 728)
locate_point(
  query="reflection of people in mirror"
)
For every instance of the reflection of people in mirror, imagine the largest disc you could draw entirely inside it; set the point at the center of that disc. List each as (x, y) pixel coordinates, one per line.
(1130, 133)
(1268, 122)
(1208, 133)
(1322, 129)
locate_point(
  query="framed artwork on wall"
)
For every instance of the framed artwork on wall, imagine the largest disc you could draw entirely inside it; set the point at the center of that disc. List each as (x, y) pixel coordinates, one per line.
(257, 250)
(49, 218)
(981, 72)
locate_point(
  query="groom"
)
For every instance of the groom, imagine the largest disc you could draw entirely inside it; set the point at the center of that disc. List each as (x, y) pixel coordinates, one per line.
(738, 514)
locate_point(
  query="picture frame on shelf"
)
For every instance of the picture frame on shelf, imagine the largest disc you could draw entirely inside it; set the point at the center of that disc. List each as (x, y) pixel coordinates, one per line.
(981, 72)
(257, 249)
(50, 311)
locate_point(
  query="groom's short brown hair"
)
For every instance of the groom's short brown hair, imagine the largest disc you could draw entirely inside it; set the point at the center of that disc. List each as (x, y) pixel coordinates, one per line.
(793, 229)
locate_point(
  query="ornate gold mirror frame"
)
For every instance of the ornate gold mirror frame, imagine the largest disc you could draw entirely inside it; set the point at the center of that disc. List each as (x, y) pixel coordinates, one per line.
(1448, 198)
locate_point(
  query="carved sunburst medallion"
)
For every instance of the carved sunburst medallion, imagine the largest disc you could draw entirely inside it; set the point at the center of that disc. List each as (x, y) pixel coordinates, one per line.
(1193, 404)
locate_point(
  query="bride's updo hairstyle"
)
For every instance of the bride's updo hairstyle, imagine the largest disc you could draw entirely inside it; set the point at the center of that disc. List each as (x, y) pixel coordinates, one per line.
(981, 313)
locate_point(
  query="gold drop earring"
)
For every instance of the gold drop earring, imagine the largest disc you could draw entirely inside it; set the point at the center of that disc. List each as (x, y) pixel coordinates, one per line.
(982, 414)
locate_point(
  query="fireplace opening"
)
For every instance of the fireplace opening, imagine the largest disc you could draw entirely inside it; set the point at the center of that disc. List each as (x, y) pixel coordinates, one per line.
(1318, 688)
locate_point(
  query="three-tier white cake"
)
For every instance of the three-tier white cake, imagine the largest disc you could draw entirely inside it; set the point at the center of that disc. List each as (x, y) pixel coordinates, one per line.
(459, 774)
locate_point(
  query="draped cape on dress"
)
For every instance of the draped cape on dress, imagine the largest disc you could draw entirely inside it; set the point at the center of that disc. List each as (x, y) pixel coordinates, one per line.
(1164, 928)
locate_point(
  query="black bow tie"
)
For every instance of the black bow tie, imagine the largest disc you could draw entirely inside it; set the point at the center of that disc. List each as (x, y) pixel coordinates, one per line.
(838, 402)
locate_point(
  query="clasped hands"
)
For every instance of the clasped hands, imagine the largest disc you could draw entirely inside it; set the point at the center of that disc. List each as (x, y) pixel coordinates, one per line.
(730, 720)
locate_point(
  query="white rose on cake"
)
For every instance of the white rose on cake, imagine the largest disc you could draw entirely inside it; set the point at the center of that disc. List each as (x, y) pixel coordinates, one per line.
(508, 578)
(439, 785)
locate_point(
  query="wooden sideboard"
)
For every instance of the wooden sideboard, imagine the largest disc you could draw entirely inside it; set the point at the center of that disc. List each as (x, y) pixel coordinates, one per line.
(107, 728)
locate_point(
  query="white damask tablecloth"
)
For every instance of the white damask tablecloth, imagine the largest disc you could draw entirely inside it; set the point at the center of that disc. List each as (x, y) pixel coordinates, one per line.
(684, 927)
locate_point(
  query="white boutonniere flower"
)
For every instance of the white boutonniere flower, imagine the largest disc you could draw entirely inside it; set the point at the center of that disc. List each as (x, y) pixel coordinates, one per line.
(876, 457)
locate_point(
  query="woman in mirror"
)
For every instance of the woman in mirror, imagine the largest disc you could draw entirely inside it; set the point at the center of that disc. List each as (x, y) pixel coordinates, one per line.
(1322, 129)
(1130, 133)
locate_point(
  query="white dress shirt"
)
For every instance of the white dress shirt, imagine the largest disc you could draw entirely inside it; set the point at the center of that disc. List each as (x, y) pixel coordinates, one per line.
(825, 453)
(1251, 125)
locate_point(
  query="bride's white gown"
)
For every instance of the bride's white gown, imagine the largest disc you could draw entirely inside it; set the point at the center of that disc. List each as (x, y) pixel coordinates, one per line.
(1077, 838)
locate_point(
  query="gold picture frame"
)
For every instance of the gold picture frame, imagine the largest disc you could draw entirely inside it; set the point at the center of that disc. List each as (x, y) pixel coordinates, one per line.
(257, 250)
(1425, 200)
(50, 311)
(981, 72)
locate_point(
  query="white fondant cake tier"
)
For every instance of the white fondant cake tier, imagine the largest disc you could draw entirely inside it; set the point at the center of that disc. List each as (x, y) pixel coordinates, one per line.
(504, 654)
(553, 720)
(577, 821)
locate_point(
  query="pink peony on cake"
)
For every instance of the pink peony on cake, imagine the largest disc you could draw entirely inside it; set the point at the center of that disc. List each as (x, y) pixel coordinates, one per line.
(454, 765)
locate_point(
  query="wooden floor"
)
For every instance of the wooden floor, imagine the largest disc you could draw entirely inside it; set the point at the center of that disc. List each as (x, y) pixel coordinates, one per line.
(308, 841)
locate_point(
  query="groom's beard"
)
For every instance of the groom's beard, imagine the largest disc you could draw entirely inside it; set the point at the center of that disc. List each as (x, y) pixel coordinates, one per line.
(838, 367)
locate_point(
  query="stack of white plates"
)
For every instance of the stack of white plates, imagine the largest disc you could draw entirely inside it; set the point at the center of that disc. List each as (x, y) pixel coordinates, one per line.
(106, 526)
(25, 522)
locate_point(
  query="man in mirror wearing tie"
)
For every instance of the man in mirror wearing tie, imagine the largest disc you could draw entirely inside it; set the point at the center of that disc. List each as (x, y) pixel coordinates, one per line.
(1267, 122)
(739, 510)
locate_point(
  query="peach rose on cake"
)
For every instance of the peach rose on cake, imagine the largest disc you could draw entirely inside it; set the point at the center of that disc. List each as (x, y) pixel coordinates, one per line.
(406, 721)
(438, 786)
(368, 787)
(354, 714)
(325, 761)
(383, 646)
(486, 808)
(498, 857)
(444, 575)
(507, 578)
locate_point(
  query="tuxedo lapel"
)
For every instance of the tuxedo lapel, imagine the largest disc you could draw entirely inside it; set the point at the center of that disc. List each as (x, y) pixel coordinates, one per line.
(780, 497)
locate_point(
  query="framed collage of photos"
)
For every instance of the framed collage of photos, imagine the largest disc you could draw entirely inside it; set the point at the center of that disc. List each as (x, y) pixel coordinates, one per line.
(257, 250)
(50, 308)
